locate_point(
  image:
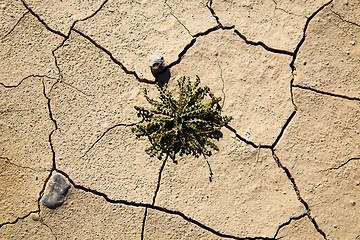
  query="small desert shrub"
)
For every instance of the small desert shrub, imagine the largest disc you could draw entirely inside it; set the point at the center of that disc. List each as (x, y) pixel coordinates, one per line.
(184, 125)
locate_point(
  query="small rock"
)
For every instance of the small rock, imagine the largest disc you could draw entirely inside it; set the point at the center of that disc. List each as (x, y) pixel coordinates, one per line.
(353, 43)
(35, 216)
(352, 203)
(156, 63)
(59, 187)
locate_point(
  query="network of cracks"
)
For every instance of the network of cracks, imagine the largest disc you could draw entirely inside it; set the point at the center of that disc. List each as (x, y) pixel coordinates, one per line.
(46, 85)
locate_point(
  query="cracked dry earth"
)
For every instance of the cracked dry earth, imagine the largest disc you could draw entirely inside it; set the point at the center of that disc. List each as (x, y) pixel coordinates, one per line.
(288, 72)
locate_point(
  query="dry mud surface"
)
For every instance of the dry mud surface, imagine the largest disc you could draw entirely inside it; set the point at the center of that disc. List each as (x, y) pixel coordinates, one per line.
(288, 72)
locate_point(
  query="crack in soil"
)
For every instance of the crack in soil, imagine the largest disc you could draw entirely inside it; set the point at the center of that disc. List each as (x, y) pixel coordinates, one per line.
(285, 11)
(222, 27)
(292, 66)
(17, 23)
(277, 160)
(49, 108)
(88, 17)
(51, 230)
(73, 24)
(254, 145)
(50, 143)
(177, 19)
(260, 43)
(129, 203)
(56, 61)
(17, 110)
(17, 219)
(193, 41)
(327, 93)
(298, 194)
(180, 55)
(292, 92)
(72, 28)
(62, 44)
(61, 78)
(113, 58)
(212, 11)
(22, 80)
(288, 223)
(26, 216)
(283, 129)
(245, 140)
(223, 85)
(7, 160)
(104, 133)
(38, 211)
(296, 51)
(42, 21)
(343, 19)
(343, 164)
(157, 208)
(243, 37)
(53, 167)
(154, 197)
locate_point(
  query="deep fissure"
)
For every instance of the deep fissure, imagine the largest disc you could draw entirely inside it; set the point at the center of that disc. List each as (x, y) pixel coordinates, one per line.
(157, 208)
(298, 194)
(181, 54)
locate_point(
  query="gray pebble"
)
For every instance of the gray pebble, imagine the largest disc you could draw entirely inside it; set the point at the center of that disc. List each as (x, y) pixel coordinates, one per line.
(156, 63)
(59, 187)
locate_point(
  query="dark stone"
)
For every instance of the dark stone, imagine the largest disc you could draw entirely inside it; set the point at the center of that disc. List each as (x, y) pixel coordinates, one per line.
(59, 187)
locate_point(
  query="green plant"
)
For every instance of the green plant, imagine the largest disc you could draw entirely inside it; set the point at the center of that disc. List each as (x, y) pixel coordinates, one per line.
(184, 125)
